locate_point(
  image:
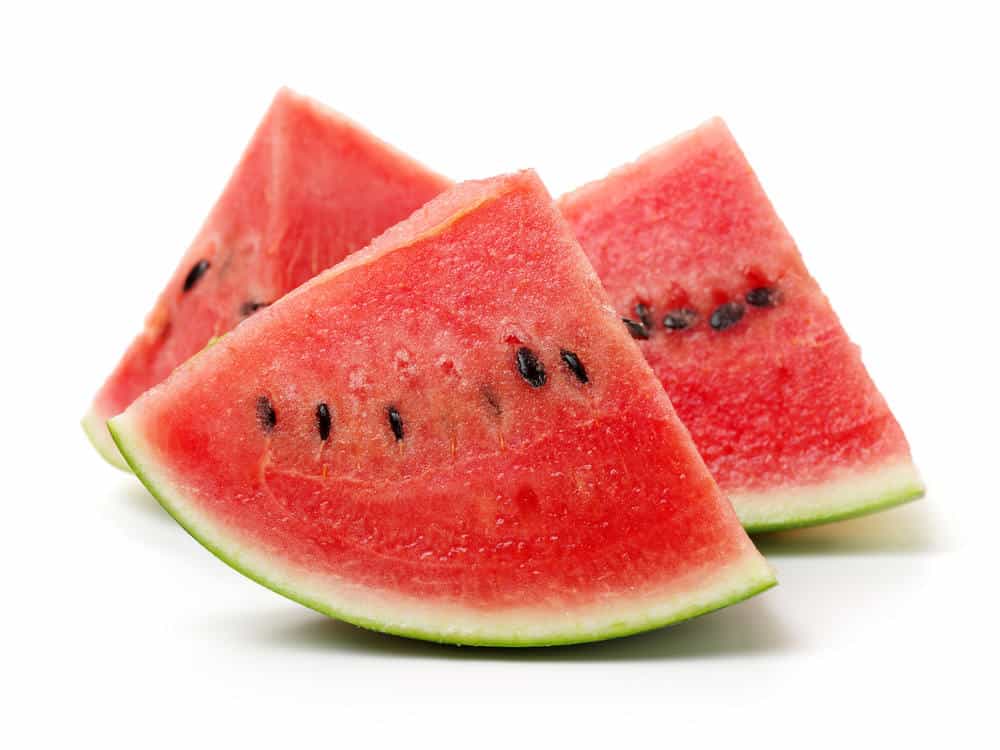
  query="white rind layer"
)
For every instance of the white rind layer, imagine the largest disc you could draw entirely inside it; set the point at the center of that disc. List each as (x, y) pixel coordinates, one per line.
(405, 615)
(846, 496)
(96, 428)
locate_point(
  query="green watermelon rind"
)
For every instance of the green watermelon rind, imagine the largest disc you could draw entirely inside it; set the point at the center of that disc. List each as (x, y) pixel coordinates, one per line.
(758, 577)
(867, 492)
(96, 430)
(874, 505)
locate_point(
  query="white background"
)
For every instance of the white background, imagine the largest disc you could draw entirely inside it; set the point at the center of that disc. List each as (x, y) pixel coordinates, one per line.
(874, 128)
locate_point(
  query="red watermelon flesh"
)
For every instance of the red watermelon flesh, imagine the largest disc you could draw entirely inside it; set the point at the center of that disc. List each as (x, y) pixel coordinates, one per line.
(311, 188)
(449, 436)
(745, 343)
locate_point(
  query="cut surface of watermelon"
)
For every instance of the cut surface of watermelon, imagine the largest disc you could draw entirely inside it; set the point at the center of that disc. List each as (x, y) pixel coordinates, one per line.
(449, 436)
(311, 187)
(745, 343)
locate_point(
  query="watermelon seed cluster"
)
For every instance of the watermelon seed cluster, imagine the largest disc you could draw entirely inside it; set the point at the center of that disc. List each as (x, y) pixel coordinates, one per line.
(528, 365)
(533, 371)
(724, 316)
(199, 269)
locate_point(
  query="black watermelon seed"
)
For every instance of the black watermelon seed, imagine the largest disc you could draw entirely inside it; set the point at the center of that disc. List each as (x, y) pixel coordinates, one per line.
(266, 417)
(638, 330)
(196, 272)
(530, 368)
(678, 320)
(642, 312)
(575, 365)
(323, 421)
(726, 315)
(395, 422)
(249, 308)
(762, 296)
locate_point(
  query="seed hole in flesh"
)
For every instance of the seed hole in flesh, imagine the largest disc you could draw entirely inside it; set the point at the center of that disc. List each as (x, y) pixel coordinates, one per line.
(762, 296)
(575, 365)
(678, 320)
(725, 315)
(638, 330)
(492, 399)
(266, 416)
(530, 368)
(323, 421)
(643, 313)
(395, 422)
(755, 276)
(196, 272)
(250, 307)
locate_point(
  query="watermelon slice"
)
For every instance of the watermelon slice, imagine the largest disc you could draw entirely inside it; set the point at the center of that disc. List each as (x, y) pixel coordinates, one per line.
(746, 345)
(448, 436)
(311, 188)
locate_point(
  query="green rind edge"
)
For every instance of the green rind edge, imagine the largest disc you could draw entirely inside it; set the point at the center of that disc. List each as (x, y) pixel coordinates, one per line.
(867, 507)
(757, 586)
(115, 459)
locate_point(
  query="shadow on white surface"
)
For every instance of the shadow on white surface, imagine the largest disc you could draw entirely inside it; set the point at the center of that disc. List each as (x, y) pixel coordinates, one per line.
(751, 629)
(747, 629)
(907, 530)
(136, 500)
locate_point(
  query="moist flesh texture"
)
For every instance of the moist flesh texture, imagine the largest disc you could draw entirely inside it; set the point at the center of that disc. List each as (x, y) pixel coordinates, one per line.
(311, 188)
(466, 483)
(775, 394)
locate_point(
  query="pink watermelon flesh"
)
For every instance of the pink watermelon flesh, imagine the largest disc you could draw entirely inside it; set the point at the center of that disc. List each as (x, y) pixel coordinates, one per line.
(448, 436)
(311, 188)
(746, 345)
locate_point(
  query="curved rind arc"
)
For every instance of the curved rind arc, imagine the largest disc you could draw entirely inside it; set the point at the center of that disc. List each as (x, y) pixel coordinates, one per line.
(96, 429)
(865, 491)
(461, 626)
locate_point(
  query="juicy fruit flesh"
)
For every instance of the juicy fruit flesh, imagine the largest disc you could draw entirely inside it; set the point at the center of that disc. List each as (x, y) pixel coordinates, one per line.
(491, 491)
(763, 375)
(311, 188)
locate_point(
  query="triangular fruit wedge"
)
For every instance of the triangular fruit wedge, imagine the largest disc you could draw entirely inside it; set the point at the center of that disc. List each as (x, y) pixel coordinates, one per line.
(746, 345)
(449, 436)
(311, 188)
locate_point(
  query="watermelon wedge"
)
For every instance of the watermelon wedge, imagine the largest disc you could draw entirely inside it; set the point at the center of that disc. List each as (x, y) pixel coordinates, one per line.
(448, 436)
(311, 187)
(746, 345)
